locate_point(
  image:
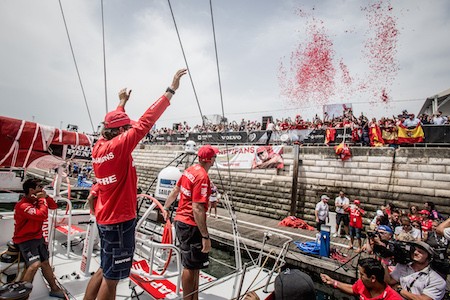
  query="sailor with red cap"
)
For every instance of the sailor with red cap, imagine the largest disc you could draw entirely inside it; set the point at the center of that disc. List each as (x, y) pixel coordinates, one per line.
(115, 208)
(194, 188)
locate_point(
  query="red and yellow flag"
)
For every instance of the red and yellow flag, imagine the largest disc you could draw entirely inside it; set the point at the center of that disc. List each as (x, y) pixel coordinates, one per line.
(375, 136)
(390, 135)
(330, 135)
(410, 136)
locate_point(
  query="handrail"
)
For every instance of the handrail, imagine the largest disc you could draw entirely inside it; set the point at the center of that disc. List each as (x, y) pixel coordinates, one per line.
(153, 247)
(69, 222)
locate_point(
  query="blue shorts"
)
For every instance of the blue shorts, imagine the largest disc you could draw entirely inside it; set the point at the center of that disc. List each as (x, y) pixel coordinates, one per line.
(355, 232)
(117, 243)
(33, 251)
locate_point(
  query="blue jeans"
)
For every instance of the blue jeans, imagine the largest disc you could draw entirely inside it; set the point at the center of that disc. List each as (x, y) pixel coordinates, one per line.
(117, 243)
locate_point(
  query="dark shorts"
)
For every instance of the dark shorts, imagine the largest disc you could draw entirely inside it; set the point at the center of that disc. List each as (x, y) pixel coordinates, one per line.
(117, 243)
(318, 224)
(191, 246)
(33, 251)
(342, 218)
(355, 232)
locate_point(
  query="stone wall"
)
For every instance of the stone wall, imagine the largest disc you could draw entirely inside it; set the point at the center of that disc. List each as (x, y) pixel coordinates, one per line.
(404, 177)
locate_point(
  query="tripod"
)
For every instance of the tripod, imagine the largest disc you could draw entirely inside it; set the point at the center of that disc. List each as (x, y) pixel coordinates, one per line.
(364, 237)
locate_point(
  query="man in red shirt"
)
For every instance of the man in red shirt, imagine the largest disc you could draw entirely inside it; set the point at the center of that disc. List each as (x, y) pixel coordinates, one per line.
(190, 225)
(29, 215)
(369, 286)
(115, 208)
(356, 223)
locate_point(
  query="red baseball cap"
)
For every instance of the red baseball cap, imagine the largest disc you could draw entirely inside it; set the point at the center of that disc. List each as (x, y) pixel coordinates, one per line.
(207, 152)
(117, 118)
(356, 201)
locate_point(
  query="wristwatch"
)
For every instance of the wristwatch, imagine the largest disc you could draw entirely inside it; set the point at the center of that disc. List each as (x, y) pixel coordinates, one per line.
(169, 90)
(205, 237)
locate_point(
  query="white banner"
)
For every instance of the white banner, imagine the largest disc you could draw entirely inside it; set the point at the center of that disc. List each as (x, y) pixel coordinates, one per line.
(250, 157)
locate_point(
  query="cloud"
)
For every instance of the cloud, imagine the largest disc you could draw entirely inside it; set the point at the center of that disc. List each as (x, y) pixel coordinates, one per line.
(38, 76)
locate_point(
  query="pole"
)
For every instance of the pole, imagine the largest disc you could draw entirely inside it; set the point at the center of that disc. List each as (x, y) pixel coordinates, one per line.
(294, 194)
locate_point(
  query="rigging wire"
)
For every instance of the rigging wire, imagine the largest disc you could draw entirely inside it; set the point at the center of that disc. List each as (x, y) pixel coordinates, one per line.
(185, 61)
(104, 58)
(230, 188)
(76, 65)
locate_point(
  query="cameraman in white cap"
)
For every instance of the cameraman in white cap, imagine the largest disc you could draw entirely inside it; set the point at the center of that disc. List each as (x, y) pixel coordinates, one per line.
(417, 280)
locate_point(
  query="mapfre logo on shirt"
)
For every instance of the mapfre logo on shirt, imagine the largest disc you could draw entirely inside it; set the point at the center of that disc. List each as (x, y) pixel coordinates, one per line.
(185, 191)
(204, 190)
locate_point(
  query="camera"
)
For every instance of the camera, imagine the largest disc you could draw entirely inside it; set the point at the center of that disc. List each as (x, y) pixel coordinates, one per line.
(372, 234)
(398, 250)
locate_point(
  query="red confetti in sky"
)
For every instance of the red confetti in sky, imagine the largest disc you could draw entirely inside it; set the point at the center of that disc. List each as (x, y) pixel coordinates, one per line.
(380, 49)
(315, 75)
(313, 68)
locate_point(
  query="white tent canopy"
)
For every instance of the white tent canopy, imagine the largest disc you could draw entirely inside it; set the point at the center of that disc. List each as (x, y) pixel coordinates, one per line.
(438, 102)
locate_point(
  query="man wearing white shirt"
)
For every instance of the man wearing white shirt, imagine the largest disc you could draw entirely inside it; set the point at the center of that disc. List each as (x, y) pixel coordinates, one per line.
(341, 203)
(407, 229)
(417, 279)
(411, 122)
(438, 119)
(321, 211)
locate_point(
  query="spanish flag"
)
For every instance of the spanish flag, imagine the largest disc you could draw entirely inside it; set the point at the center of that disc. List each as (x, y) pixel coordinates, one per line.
(390, 136)
(343, 151)
(410, 136)
(376, 139)
(330, 135)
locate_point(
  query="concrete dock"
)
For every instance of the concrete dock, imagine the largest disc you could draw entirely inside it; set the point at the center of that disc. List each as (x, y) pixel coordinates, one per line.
(252, 229)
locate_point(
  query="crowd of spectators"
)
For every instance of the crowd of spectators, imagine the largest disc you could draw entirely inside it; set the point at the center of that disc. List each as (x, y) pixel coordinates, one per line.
(346, 120)
(410, 245)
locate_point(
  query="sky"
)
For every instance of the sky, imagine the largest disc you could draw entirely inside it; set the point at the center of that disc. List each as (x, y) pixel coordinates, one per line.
(275, 58)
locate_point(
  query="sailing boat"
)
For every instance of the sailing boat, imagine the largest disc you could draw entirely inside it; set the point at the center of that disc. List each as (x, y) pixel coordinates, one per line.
(157, 267)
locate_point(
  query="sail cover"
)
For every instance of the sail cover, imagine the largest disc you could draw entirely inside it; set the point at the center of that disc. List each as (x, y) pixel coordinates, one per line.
(26, 144)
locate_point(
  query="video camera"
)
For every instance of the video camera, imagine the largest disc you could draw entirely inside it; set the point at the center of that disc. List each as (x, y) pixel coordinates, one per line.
(400, 251)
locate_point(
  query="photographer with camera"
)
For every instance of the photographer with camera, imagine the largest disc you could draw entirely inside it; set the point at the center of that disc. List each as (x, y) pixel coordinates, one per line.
(378, 240)
(417, 280)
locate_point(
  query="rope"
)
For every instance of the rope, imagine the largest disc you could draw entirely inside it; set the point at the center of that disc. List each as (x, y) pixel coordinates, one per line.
(259, 271)
(185, 61)
(76, 65)
(167, 237)
(16, 261)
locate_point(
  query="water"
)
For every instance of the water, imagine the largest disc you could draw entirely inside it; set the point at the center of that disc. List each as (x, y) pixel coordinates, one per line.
(222, 263)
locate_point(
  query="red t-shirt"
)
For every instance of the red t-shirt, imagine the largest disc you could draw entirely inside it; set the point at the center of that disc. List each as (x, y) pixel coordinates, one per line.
(355, 215)
(415, 218)
(195, 186)
(29, 215)
(94, 190)
(115, 172)
(427, 225)
(388, 294)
